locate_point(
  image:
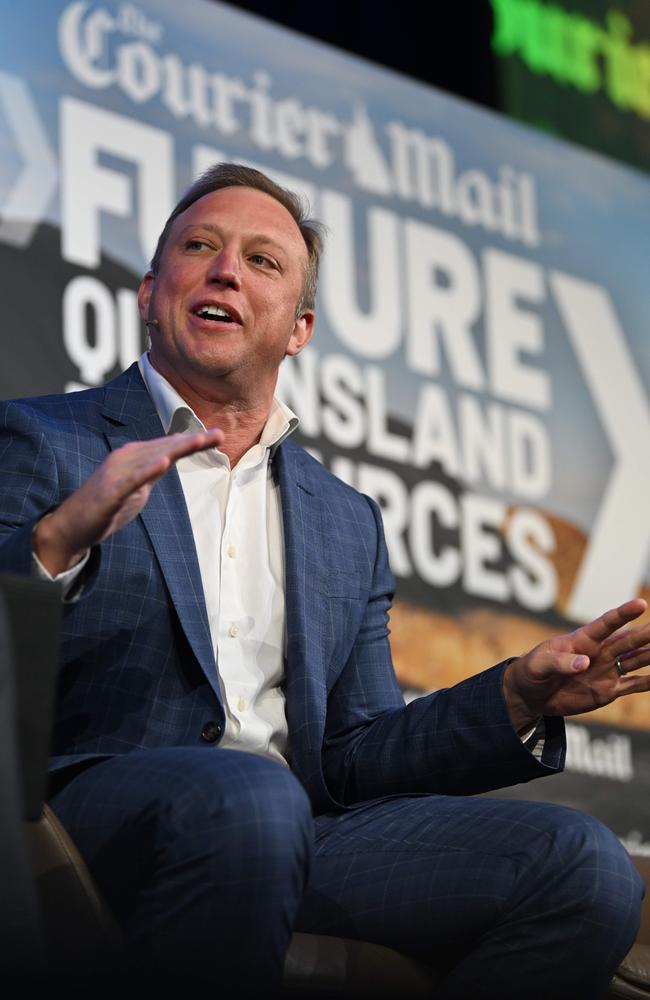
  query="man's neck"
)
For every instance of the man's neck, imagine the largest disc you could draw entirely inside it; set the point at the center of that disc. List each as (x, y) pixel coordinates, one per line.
(242, 428)
(241, 420)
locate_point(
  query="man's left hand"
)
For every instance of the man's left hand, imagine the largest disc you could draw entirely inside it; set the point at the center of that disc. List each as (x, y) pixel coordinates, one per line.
(582, 670)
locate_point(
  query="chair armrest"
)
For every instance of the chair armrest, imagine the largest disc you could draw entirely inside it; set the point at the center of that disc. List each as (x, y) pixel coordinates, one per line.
(642, 864)
(82, 934)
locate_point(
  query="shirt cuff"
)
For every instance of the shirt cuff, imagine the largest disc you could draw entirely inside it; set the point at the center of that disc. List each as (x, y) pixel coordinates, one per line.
(72, 585)
(533, 740)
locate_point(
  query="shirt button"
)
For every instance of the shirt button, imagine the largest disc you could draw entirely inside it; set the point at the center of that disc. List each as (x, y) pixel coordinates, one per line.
(211, 731)
(241, 705)
(233, 631)
(232, 551)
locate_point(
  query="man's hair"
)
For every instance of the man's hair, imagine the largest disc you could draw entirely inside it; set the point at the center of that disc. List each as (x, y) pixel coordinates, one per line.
(225, 175)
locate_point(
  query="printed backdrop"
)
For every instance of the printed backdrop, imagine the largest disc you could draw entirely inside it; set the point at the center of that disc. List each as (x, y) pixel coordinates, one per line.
(481, 358)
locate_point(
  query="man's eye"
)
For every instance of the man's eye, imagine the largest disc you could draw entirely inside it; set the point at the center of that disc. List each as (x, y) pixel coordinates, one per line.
(195, 245)
(262, 260)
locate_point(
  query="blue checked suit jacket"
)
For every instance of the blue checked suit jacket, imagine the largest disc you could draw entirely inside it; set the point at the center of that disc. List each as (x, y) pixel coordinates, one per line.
(138, 667)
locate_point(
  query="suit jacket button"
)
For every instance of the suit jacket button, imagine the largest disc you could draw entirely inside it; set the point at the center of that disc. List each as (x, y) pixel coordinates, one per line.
(211, 732)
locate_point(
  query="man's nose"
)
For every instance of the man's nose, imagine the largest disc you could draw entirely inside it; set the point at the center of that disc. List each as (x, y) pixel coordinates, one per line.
(225, 269)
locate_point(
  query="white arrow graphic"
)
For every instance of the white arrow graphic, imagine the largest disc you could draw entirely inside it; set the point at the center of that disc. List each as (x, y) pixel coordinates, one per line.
(27, 200)
(615, 561)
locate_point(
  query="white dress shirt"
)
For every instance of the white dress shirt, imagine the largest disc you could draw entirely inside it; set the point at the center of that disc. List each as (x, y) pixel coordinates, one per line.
(237, 525)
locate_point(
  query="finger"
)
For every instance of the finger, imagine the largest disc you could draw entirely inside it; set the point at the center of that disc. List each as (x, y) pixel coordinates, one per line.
(556, 663)
(627, 641)
(634, 685)
(180, 445)
(634, 661)
(144, 463)
(126, 487)
(608, 623)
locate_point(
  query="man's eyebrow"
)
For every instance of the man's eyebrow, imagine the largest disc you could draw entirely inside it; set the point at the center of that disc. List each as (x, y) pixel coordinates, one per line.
(210, 227)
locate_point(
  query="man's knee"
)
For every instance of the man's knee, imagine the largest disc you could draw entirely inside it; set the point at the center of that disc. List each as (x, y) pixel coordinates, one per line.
(243, 804)
(267, 810)
(589, 871)
(217, 813)
(601, 863)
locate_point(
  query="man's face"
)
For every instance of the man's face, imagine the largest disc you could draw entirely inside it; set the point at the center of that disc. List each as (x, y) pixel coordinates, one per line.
(225, 296)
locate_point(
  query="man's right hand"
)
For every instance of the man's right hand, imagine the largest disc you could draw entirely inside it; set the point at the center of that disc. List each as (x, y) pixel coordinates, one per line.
(114, 494)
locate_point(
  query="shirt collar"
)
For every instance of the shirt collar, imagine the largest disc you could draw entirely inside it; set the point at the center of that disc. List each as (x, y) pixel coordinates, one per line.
(175, 414)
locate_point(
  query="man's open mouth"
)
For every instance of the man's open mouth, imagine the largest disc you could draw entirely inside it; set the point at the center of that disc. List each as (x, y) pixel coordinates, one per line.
(216, 313)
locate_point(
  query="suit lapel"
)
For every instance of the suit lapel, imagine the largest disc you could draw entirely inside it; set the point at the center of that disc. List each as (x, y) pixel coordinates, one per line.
(131, 416)
(306, 688)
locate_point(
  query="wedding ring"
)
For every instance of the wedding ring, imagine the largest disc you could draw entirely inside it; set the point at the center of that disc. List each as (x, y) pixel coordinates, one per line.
(619, 668)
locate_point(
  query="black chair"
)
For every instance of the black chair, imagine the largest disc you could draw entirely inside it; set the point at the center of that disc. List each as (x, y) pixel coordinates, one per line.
(22, 945)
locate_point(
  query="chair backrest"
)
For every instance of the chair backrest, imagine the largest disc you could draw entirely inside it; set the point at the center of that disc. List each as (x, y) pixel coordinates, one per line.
(29, 649)
(34, 613)
(81, 938)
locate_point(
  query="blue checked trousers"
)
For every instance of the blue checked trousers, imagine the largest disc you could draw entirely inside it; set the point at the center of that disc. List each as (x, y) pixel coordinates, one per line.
(211, 858)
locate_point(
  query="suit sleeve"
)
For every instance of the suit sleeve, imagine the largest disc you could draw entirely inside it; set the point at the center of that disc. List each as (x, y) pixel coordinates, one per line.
(29, 486)
(456, 741)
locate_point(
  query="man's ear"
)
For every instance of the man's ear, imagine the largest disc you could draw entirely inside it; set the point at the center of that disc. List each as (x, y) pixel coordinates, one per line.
(144, 295)
(303, 329)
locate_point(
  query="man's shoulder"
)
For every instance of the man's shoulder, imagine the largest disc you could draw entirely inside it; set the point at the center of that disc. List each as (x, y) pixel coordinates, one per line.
(78, 408)
(320, 478)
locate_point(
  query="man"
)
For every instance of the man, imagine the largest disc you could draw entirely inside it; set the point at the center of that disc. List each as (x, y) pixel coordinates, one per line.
(228, 618)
